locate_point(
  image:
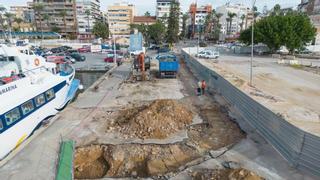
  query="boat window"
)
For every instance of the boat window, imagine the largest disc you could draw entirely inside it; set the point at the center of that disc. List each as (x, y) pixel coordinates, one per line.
(1, 125)
(11, 58)
(40, 100)
(27, 107)
(12, 116)
(49, 94)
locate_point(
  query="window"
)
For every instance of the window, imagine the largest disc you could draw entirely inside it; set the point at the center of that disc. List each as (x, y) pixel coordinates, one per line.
(27, 107)
(12, 116)
(1, 125)
(49, 94)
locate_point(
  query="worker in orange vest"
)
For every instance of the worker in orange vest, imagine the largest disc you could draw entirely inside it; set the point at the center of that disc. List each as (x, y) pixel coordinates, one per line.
(203, 86)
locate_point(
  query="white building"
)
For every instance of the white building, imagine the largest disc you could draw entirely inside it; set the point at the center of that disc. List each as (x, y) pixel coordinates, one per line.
(86, 22)
(239, 10)
(163, 10)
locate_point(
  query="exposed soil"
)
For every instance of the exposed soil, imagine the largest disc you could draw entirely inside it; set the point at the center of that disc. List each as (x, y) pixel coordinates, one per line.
(225, 174)
(130, 160)
(157, 120)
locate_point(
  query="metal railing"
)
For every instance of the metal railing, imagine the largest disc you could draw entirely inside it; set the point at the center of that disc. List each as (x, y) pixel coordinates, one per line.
(301, 149)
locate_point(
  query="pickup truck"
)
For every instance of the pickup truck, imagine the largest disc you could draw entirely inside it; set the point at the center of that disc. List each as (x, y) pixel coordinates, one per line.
(168, 65)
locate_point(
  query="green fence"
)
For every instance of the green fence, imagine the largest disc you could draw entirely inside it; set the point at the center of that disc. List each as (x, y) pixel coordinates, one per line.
(65, 166)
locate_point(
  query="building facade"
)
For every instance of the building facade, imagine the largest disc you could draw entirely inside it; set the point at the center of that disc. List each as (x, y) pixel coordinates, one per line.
(312, 8)
(25, 13)
(237, 23)
(197, 16)
(62, 16)
(146, 20)
(88, 12)
(120, 16)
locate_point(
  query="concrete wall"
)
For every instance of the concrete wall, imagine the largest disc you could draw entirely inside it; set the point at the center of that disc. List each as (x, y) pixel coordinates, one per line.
(299, 148)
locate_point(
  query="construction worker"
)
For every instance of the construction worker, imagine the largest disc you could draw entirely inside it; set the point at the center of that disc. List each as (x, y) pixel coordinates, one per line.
(199, 88)
(203, 86)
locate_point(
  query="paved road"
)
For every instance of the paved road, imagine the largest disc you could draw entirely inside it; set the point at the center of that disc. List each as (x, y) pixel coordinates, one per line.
(38, 159)
(93, 60)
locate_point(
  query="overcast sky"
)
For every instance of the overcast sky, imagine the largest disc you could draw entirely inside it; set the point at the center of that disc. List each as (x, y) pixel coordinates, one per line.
(149, 5)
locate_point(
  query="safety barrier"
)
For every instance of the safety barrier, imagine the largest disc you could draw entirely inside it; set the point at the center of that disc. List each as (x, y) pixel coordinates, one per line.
(301, 149)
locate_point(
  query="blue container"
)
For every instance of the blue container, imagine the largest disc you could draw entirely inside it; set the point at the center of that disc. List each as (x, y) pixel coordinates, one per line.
(168, 65)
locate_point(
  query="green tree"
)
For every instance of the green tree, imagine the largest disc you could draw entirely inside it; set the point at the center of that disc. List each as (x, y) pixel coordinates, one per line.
(230, 17)
(2, 11)
(157, 32)
(101, 30)
(147, 14)
(46, 17)
(38, 8)
(88, 13)
(63, 14)
(173, 23)
(293, 30)
(18, 21)
(184, 31)
(55, 29)
(276, 10)
(243, 17)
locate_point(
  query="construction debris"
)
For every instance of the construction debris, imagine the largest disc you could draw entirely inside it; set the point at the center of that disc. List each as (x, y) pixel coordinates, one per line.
(157, 120)
(225, 174)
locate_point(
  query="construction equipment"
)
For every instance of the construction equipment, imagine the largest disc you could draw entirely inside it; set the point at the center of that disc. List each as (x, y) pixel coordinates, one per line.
(168, 65)
(141, 68)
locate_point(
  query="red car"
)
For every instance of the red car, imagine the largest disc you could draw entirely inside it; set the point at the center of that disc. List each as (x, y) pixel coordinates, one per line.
(111, 59)
(84, 49)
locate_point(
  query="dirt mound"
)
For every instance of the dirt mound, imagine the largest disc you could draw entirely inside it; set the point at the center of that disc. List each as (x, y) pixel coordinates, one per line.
(157, 120)
(225, 174)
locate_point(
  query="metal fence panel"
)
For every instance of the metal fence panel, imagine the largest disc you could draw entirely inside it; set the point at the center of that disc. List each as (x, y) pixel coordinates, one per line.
(299, 148)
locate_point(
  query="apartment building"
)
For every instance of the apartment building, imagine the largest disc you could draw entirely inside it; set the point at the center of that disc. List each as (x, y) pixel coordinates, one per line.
(24, 12)
(312, 9)
(62, 16)
(239, 10)
(198, 16)
(120, 16)
(146, 20)
(163, 11)
(88, 12)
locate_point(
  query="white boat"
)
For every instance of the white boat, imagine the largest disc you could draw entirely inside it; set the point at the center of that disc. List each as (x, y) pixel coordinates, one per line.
(31, 91)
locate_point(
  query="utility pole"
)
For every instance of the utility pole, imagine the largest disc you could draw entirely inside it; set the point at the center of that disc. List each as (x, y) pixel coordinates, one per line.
(252, 41)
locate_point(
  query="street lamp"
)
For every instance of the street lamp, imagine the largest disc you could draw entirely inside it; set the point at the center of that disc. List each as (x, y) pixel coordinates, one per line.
(252, 36)
(114, 47)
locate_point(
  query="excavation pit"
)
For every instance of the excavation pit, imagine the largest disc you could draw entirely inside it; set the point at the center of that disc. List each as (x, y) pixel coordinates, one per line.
(130, 160)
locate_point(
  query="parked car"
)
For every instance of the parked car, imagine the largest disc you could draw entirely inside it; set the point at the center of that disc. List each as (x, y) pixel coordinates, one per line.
(208, 54)
(78, 57)
(84, 49)
(110, 58)
(163, 50)
(69, 59)
(211, 55)
(201, 54)
(203, 44)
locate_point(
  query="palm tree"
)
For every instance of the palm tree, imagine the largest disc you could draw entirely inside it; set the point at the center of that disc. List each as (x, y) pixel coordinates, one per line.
(88, 13)
(18, 21)
(2, 11)
(9, 18)
(147, 14)
(231, 16)
(63, 14)
(242, 21)
(38, 8)
(218, 16)
(228, 22)
(46, 18)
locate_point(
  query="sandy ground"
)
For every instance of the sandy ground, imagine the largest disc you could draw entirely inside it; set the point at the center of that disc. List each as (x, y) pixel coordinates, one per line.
(293, 93)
